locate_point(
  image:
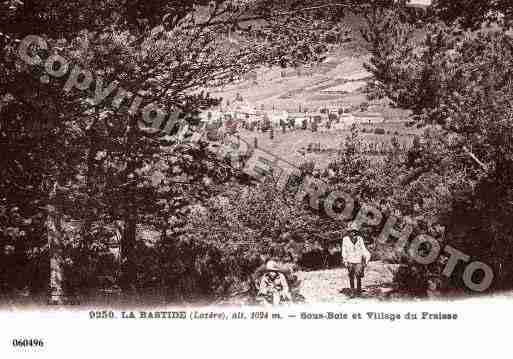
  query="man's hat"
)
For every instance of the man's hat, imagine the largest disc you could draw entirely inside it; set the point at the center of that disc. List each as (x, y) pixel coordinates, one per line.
(353, 227)
(272, 266)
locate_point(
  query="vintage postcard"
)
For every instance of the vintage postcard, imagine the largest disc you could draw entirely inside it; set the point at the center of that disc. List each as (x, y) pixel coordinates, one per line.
(260, 171)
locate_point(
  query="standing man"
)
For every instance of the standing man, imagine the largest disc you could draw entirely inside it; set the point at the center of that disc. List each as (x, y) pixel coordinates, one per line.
(355, 257)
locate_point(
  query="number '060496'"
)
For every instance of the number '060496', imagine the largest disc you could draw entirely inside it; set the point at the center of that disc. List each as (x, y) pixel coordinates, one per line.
(28, 342)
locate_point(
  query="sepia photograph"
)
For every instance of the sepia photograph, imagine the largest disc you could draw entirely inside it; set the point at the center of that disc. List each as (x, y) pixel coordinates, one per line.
(163, 156)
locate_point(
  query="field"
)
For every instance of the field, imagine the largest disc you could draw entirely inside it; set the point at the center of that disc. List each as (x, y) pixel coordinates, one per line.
(287, 89)
(292, 146)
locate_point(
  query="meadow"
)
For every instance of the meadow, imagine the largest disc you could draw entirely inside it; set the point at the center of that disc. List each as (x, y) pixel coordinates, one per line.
(293, 146)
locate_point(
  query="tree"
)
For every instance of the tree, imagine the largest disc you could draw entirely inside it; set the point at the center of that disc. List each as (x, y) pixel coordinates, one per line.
(474, 14)
(460, 87)
(99, 161)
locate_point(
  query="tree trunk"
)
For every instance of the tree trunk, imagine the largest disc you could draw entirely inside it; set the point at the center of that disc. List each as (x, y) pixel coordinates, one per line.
(128, 265)
(55, 237)
(128, 240)
(91, 213)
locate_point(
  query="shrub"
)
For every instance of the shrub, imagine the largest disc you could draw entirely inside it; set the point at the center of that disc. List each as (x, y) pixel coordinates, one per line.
(412, 279)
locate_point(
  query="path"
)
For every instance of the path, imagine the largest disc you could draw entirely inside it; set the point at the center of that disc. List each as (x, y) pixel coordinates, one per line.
(324, 286)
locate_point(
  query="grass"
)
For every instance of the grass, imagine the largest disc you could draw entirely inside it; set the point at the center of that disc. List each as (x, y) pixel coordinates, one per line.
(291, 146)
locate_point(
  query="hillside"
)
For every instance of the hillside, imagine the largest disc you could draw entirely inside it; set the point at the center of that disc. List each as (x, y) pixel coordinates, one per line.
(286, 89)
(289, 89)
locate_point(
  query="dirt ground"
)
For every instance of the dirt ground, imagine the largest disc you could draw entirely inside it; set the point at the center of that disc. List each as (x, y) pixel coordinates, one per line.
(330, 286)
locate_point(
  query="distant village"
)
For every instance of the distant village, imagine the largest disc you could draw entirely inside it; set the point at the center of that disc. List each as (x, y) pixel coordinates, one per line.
(239, 114)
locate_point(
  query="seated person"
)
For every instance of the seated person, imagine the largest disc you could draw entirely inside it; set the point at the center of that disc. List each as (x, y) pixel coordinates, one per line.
(274, 283)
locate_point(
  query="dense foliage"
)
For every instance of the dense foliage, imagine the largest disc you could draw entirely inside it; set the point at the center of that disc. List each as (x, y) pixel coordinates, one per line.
(459, 86)
(78, 172)
(78, 178)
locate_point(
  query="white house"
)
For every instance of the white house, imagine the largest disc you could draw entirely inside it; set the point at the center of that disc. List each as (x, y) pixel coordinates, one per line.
(419, 3)
(276, 116)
